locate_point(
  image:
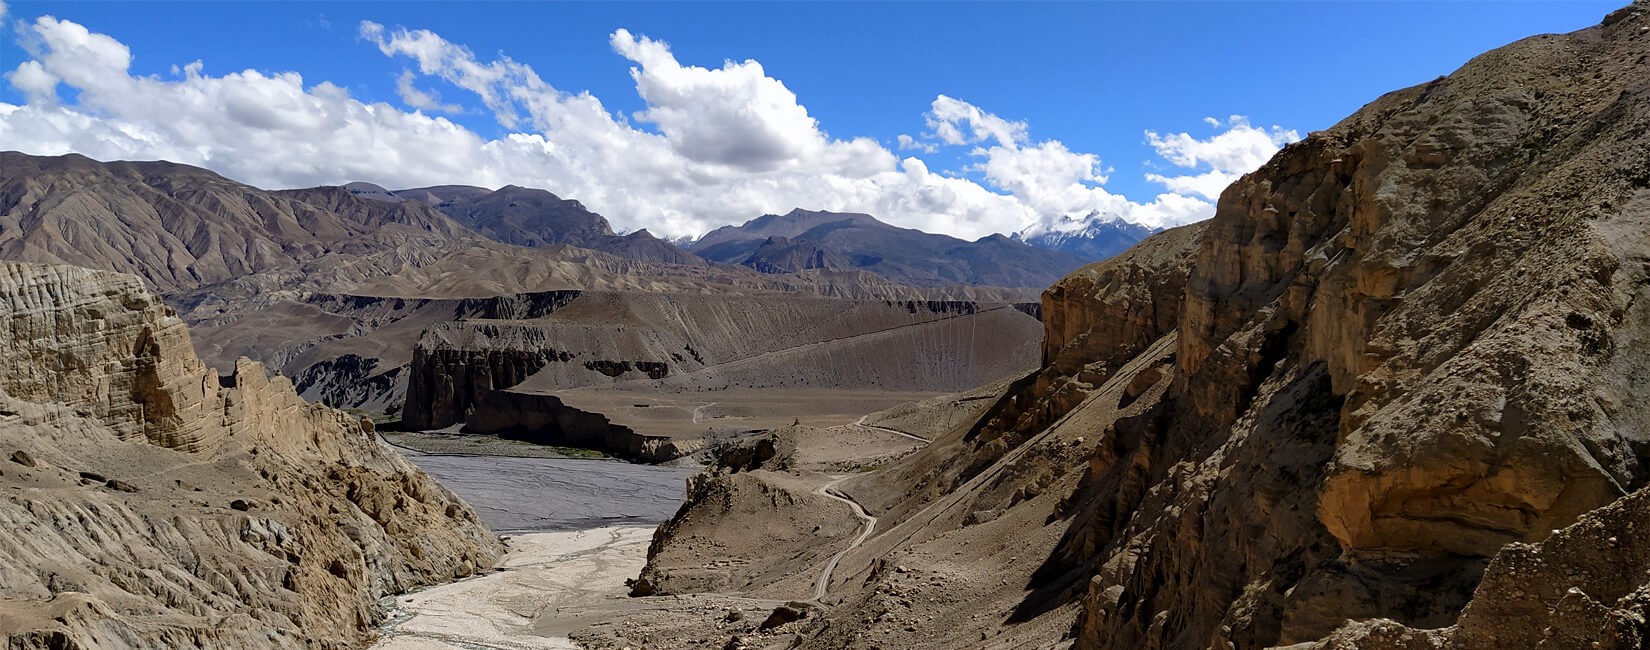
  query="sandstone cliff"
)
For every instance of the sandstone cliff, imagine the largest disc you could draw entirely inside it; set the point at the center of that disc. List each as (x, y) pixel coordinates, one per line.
(546, 420)
(149, 502)
(1405, 342)
(1401, 355)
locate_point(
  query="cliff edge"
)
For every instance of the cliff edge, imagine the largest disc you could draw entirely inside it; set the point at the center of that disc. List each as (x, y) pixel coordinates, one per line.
(147, 502)
(1393, 394)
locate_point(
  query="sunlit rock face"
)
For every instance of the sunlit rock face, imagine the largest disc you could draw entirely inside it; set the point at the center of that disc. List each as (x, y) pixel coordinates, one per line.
(151, 503)
(1405, 342)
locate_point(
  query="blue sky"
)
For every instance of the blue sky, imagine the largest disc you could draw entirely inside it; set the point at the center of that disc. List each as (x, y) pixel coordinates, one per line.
(1092, 78)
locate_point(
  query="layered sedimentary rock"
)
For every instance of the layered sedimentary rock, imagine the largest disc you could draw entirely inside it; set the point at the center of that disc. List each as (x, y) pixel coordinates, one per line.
(545, 419)
(1406, 342)
(709, 342)
(1585, 586)
(352, 351)
(150, 502)
(1404, 352)
(1111, 311)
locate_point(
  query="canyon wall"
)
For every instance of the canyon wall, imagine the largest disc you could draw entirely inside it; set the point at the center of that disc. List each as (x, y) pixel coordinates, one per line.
(1370, 404)
(1406, 342)
(711, 342)
(150, 502)
(343, 350)
(546, 420)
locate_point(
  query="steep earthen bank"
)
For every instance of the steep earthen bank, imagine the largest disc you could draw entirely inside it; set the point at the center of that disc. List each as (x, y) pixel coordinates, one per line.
(1402, 354)
(149, 502)
(546, 420)
(485, 372)
(345, 351)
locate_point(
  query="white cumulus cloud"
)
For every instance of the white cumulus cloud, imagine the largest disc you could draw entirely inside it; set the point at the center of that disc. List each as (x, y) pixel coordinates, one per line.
(39, 86)
(713, 145)
(1050, 180)
(1228, 155)
(412, 96)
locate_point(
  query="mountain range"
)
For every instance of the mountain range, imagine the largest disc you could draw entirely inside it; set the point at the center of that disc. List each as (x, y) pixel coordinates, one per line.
(334, 286)
(805, 239)
(182, 227)
(1094, 237)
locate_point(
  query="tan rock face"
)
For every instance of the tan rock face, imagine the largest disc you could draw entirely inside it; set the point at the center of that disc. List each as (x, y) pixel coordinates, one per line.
(1095, 321)
(1407, 345)
(1406, 342)
(99, 342)
(1109, 312)
(1583, 587)
(167, 507)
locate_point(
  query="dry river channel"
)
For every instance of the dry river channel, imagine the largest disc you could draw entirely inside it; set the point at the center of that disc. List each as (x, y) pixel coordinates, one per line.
(576, 530)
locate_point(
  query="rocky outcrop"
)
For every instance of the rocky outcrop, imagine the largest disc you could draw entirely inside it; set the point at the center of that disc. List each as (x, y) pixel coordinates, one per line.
(353, 381)
(1111, 311)
(165, 506)
(1583, 587)
(344, 350)
(1413, 326)
(546, 420)
(745, 499)
(448, 379)
(1095, 321)
(1404, 353)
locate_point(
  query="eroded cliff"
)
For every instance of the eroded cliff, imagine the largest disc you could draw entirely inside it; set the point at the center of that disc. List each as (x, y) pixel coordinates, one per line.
(149, 502)
(1400, 356)
(1405, 342)
(710, 342)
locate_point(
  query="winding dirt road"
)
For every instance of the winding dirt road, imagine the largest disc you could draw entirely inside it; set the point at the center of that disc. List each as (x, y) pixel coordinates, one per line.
(829, 491)
(861, 423)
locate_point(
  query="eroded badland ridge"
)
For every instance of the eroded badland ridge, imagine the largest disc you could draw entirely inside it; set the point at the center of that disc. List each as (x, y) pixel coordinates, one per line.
(152, 503)
(1400, 378)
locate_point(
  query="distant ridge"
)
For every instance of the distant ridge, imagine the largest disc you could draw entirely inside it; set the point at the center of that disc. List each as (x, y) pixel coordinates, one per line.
(1095, 237)
(805, 239)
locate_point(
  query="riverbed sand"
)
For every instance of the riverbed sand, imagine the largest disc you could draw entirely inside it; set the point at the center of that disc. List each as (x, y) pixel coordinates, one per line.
(545, 576)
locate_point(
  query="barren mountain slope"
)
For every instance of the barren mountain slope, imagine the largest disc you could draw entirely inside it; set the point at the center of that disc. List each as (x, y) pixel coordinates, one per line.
(715, 342)
(149, 502)
(181, 227)
(1400, 346)
(534, 218)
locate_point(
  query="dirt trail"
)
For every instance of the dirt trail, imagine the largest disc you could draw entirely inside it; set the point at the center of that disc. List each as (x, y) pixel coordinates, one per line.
(861, 423)
(829, 491)
(699, 412)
